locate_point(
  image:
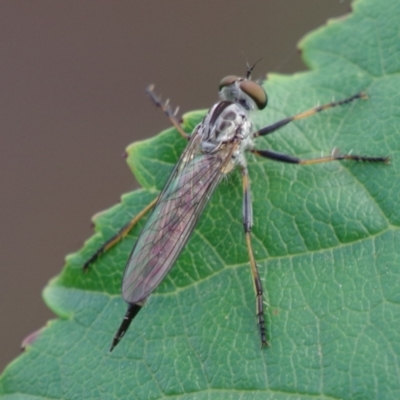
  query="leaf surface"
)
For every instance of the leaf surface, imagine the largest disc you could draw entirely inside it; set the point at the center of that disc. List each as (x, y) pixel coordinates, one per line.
(326, 239)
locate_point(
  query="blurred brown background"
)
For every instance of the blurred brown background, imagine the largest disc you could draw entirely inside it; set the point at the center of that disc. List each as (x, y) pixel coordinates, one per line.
(72, 80)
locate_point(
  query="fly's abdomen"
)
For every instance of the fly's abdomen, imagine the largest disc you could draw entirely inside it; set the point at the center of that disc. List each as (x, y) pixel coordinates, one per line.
(169, 226)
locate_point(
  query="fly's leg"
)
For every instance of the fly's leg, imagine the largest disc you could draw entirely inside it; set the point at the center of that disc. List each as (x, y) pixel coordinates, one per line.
(119, 235)
(335, 156)
(305, 114)
(247, 224)
(167, 110)
(127, 228)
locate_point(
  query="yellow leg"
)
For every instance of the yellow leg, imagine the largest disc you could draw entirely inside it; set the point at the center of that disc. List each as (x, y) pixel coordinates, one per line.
(119, 235)
(165, 107)
(335, 156)
(305, 114)
(247, 222)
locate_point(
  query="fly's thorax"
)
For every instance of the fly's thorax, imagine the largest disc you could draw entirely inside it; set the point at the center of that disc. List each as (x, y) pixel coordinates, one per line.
(225, 122)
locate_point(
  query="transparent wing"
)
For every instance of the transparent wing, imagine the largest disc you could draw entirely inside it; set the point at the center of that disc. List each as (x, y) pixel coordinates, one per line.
(169, 226)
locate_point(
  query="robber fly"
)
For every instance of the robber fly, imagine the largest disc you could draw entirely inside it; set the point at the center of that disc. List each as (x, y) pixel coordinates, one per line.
(217, 145)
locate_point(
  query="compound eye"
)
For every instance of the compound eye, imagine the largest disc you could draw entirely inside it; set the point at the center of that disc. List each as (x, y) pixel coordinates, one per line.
(255, 92)
(228, 80)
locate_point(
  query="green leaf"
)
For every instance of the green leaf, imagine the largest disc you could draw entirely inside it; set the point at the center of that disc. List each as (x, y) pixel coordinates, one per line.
(326, 239)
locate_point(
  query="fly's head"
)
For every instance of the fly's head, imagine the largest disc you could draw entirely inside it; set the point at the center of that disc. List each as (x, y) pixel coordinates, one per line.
(244, 92)
(228, 120)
